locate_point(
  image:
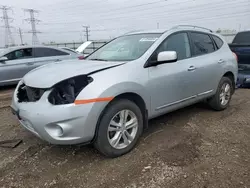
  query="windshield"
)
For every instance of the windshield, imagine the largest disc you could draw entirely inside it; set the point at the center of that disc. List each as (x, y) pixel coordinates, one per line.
(242, 38)
(125, 48)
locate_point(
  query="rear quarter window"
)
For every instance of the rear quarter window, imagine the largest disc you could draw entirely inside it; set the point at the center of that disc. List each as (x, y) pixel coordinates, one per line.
(218, 41)
(47, 52)
(201, 43)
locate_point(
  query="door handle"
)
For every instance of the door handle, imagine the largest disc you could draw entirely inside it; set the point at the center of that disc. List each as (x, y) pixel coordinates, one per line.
(58, 60)
(30, 63)
(192, 68)
(221, 61)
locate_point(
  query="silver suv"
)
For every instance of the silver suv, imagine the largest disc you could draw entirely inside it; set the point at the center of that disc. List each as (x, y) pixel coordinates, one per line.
(108, 98)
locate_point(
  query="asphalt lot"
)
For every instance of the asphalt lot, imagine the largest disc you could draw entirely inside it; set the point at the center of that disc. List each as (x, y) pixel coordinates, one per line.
(192, 147)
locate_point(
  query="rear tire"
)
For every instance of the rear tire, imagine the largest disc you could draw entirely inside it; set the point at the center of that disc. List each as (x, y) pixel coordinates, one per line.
(221, 100)
(116, 134)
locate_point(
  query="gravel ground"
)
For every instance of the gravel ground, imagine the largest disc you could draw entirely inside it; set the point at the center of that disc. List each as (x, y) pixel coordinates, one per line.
(192, 147)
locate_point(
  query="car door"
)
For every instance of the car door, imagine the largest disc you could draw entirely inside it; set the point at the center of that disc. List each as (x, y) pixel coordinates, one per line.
(18, 64)
(45, 55)
(207, 62)
(171, 84)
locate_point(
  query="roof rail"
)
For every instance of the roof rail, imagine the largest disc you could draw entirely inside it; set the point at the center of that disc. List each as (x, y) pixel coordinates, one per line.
(132, 31)
(193, 26)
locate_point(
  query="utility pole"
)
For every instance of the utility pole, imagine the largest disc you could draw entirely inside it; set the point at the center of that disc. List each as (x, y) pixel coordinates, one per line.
(9, 41)
(86, 32)
(33, 23)
(21, 35)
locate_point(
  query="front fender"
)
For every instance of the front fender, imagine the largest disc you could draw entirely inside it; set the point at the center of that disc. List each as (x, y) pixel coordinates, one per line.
(127, 87)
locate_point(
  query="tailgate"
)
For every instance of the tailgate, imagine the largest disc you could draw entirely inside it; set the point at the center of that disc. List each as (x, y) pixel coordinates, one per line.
(243, 53)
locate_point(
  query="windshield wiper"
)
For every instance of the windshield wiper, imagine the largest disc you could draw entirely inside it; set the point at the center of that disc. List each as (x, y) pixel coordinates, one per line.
(96, 59)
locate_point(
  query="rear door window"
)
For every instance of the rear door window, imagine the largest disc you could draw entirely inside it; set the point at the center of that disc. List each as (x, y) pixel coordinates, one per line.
(47, 52)
(202, 43)
(217, 41)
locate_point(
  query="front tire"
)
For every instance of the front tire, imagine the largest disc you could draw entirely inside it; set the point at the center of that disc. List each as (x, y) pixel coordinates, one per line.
(221, 100)
(119, 128)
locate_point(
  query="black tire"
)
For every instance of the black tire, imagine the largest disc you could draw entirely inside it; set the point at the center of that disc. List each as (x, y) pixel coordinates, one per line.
(214, 102)
(101, 143)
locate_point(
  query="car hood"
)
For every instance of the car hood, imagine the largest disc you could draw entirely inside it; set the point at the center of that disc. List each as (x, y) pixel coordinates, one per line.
(48, 75)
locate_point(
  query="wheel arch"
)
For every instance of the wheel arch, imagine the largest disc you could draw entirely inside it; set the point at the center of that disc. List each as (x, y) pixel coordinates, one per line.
(132, 96)
(231, 76)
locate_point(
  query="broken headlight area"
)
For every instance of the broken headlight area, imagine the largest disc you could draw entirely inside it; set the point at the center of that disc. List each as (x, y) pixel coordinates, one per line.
(29, 94)
(65, 92)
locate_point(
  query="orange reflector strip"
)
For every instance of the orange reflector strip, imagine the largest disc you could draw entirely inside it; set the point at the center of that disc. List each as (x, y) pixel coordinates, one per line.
(86, 101)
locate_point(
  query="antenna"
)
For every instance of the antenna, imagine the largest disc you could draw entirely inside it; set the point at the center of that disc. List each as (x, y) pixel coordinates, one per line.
(33, 23)
(9, 41)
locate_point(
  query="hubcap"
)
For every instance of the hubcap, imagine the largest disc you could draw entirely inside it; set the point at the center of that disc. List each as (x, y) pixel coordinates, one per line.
(225, 94)
(122, 129)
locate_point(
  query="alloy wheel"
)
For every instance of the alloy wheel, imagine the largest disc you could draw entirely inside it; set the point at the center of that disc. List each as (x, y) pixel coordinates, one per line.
(225, 94)
(122, 129)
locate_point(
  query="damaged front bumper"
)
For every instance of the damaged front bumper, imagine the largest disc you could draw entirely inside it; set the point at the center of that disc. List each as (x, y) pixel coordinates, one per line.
(57, 124)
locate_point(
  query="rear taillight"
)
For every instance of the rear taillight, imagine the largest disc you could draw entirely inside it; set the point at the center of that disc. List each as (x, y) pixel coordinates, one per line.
(236, 57)
(81, 57)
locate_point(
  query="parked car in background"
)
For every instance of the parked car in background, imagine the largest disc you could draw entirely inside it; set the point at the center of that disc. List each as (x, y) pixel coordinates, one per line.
(241, 47)
(15, 62)
(83, 47)
(108, 98)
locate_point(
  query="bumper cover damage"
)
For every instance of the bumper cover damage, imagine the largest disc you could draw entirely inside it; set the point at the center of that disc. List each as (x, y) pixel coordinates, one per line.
(49, 112)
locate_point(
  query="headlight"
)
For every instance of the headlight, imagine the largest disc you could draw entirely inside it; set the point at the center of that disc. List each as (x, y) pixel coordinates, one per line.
(65, 92)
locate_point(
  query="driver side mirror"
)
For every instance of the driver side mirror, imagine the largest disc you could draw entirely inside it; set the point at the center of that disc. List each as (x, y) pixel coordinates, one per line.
(3, 59)
(167, 57)
(163, 57)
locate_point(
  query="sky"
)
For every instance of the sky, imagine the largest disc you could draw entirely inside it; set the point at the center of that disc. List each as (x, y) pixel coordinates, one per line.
(63, 20)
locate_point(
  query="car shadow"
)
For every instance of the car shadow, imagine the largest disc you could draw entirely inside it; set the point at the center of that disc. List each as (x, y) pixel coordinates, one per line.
(165, 122)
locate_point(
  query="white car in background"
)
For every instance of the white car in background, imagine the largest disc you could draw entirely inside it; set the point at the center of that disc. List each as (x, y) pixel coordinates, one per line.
(80, 49)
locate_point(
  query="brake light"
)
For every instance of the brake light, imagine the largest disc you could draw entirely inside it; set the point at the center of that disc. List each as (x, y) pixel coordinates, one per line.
(81, 57)
(236, 57)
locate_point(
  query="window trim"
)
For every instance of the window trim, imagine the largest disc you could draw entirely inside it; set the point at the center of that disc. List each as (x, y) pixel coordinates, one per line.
(146, 65)
(192, 45)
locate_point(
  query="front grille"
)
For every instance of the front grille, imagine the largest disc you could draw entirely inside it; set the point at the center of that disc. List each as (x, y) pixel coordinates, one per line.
(29, 94)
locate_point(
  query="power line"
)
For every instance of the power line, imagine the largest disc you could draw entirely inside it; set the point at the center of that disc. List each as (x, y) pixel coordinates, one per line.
(33, 23)
(9, 41)
(202, 19)
(172, 12)
(185, 14)
(130, 7)
(92, 30)
(113, 10)
(176, 10)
